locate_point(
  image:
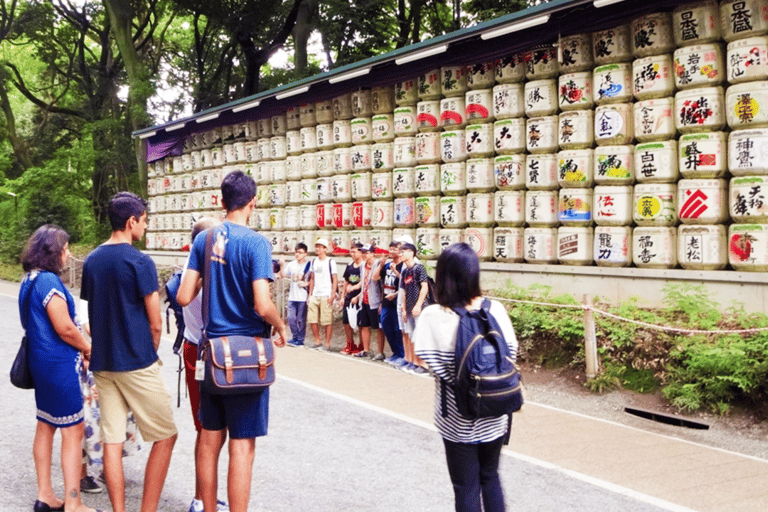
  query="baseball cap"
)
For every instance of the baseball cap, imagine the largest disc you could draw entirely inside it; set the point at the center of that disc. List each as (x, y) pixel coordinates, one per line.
(367, 248)
(405, 239)
(323, 242)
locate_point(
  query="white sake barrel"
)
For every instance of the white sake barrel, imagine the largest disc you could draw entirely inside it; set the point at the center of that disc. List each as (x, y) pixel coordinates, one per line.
(292, 217)
(263, 197)
(196, 160)
(576, 129)
(340, 242)
(510, 69)
(575, 206)
(405, 121)
(342, 216)
(361, 158)
(702, 247)
(383, 157)
(212, 137)
(261, 219)
(652, 34)
(264, 149)
(576, 168)
(613, 246)
(308, 165)
(612, 83)
(381, 186)
(480, 210)
(404, 182)
(428, 148)
(309, 190)
(361, 186)
(362, 104)
(542, 134)
(614, 124)
(342, 160)
(427, 180)
(277, 219)
(342, 133)
(541, 208)
(747, 105)
(324, 189)
(251, 130)
(541, 62)
(655, 204)
(700, 110)
(382, 99)
(217, 157)
(574, 245)
(263, 173)
(175, 244)
(576, 53)
(702, 155)
(362, 131)
(479, 106)
(427, 115)
(653, 77)
(342, 106)
(453, 179)
(362, 212)
(405, 212)
(696, 22)
(293, 118)
(341, 188)
(277, 171)
(406, 92)
(323, 215)
(539, 245)
(541, 98)
(383, 127)
(277, 194)
(508, 207)
(151, 240)
(481, 76)
(575, 91)
(613, 205)
(748, 152)
(508, 101)
(382, 215)
(479, 140)
(614, 165)
(178, 164)
(481, 241)
(449, 237)
(654, 247)
(480, 175)
(611, 45)
(653, 120)
(702, 201)
(743, 18)
(699, 66)
(290, 240)
(509, 136)
(454, 80)
(328, 216)
(453, 147)
(405, 152)
(275, 125)
(748, 247)
(325, 164)
(429, 85)
(292, 144)
(541, 172)
(656, 162)
(453, 211)
(428, 211)
(307, 115)
(427, 242)
(748, 204)
(308, 138)
(452, 113)
(251, 152)
(508, 245)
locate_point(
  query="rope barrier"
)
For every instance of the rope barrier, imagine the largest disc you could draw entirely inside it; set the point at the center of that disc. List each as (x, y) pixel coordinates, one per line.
(630, 320)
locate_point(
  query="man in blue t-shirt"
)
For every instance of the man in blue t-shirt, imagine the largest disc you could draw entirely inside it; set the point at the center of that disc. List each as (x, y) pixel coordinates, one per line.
(239, 303)
(120, 287)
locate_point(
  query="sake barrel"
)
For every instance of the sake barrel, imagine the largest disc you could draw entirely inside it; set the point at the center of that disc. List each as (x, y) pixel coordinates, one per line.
(508, 207)
(652, 34)
(509, 136)
(541, 62)
(324, 215)
(694, 23)
(428, 211)
(276, 219)
(748, 152)
(382, 215)
(510, 69)
(362, 103)
(307, 218)
(748, 247)
(427, 242)
(542, 134)
(613, 83)
(405, 212)
(325, 163)
(449, 237)
(655, 204)
(575, 206)
(540, 245)
(479, 106)
(361, 186)
(656, 162)
(611, 45)
(614, 124)
(342, 106)
(405, 121)
(576, 129)
(479, 140)
(700, 110)
(575, 168)
(454, 80)
(575, 91)
(481, 75)
(342, 216)
(652, 77)
(541, 98)
(541, 172)
(453, 179)
(702, 201)
(453, 211)
(361, 158)
(703, 155)
(480, 175)
(427, 180)
(428, 148)
(614, 165)
(574, 245)
(308, 138)
(747, 105)
(362, 132)
(702, 247)
(699, 66)
(383, 127)
(427, 115)
(275, 125)
(508, 245)
(481, 241)
(576, 53)
(309, 190)
(654, 247)
(293, 118)
(508, 101)
(406, 92)
(381, 186)
(324, 112)
(613, 205)
(613, 246)
(748, 204)
(292, 144)
(276, 194)
(653, 120)
(452, 113)
(341, 188)
(429, 84)
(382, 99)
(342, 160)
(743, 18)
(480, 210)
(340, 243)
(292, 218)
(453, 147)
(541, 208)
(383, 157)
(404, 182)
(405, 152)
(362, 212)
(342, 133)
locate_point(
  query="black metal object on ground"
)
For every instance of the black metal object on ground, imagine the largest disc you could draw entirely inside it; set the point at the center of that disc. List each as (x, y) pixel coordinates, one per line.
(666, 418)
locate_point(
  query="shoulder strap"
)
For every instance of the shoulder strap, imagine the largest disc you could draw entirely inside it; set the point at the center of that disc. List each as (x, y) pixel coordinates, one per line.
(26, 302)
(206, 269)
(306, 267)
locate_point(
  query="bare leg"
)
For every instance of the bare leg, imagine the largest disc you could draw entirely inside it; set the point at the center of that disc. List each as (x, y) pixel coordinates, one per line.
(350, 334)
(41, 450)
(155, 472)
(365, 337)
(211, 442)
(113, 475)
(316, 333)
(198, 484)
(241, 455)
(328, 334)
(380, 340)
(71, 464)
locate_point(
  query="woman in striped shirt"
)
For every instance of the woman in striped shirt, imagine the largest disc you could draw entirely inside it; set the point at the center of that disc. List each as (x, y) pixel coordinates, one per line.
(472, 446)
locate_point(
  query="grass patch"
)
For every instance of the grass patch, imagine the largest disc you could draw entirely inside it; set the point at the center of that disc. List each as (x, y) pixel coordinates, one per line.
(11, 271)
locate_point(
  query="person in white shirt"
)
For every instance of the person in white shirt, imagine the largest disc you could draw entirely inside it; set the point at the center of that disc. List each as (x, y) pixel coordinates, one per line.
(297, 272)
(323, 282)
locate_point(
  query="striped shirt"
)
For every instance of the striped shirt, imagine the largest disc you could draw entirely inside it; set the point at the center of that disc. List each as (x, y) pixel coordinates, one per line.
(435, 342)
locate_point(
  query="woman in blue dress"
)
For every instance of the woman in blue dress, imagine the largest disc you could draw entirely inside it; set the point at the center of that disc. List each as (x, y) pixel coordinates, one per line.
(57, 348)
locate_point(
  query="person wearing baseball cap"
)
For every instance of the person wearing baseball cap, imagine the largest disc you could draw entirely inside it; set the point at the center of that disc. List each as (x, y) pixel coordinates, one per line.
(323, 281)
(370, 299)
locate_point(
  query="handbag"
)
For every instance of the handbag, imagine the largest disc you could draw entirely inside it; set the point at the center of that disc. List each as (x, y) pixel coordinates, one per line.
(352, 312)
(21, 376)
(233, 364)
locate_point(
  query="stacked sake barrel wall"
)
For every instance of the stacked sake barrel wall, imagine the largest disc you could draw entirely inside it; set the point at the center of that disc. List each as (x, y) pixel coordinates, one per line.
(641, 145)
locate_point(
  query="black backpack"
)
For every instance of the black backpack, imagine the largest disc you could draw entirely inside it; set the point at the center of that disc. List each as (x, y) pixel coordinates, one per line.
(171, 289)
(487, 379)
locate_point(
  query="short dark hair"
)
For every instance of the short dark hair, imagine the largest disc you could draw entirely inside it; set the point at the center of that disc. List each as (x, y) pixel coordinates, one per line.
(301, 246)
(395, 243)
(357, 245)
(457, 276)
(123, 206)
(201, 225)
(237, 190)
(44, 248)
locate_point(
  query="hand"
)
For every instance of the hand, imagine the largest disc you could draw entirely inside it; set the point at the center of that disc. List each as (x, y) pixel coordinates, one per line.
(281, 334)
(330, 301)
(416, 311)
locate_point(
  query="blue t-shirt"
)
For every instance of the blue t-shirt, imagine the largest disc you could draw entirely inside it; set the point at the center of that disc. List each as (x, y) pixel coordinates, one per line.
(239, 257)
(45, 345)
(116, 278)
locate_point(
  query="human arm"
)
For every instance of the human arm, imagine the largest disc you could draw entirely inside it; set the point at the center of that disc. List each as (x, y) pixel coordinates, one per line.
(189, 288)
(265, 308)
(334, 288)
(152, 305)
(311, 285)
(423, 290)
(379, 273)
(65, 327)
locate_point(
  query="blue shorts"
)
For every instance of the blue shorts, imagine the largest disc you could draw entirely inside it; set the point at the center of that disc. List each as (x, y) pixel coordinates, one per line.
(246, 416)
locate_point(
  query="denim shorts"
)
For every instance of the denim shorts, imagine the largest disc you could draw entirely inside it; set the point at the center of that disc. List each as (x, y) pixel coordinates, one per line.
(245, 416)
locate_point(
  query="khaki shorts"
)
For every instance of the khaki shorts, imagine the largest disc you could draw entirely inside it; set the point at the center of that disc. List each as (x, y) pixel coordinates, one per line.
(319, 311)
(141, 391)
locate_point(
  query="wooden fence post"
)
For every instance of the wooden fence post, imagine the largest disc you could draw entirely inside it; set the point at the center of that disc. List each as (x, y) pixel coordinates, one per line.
(590, 340)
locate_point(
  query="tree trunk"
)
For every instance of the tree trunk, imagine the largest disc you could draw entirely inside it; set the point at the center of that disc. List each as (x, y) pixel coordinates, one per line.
(20, 149)
(301, 33)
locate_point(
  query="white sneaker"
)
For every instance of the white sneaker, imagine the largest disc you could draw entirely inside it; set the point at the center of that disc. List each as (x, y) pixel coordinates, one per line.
(197, 506)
